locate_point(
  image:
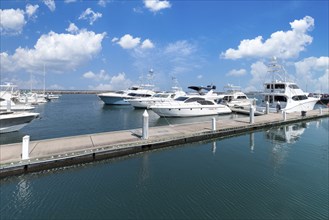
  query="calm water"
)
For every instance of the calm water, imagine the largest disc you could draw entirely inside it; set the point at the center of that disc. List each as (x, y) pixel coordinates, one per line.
(86, 114)
(281, 173)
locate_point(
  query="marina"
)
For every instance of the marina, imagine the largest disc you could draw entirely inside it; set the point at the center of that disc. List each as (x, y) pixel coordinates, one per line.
(45, 154)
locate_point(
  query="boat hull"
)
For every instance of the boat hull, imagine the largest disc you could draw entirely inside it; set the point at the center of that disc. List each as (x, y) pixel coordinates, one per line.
(190, 112)
(15, 121)
(114, 100)
(295, 106)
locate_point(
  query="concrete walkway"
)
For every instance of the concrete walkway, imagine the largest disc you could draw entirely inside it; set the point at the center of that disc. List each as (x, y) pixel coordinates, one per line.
(51, 149)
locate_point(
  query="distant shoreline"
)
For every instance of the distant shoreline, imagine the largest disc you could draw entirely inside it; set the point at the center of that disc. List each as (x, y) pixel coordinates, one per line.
(67, 91)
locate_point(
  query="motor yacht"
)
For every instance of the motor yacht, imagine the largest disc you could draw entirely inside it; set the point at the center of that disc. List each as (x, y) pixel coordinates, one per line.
(158, 97)
(9, 95)
(233, 97)
(121, 97)
(14, 121)
(283, 95)
(188, 106)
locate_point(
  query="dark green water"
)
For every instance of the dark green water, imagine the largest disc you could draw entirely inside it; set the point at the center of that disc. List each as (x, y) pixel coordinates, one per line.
(281, 173)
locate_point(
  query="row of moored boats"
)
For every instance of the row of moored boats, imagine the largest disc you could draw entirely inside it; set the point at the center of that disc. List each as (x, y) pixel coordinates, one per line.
(278, 95)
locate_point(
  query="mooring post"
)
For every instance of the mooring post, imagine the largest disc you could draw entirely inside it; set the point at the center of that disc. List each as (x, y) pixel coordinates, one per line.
(214, 124)
(284, 115)
(145, 131)
(320, 110)
(267, 107)
(252, 114)
(8, 105)
(25, 147)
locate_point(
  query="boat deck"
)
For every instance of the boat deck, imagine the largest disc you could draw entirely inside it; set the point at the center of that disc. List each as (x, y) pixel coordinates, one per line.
(50, 153)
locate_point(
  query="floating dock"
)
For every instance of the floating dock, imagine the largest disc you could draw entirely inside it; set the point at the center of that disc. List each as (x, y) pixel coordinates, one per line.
(60, 152)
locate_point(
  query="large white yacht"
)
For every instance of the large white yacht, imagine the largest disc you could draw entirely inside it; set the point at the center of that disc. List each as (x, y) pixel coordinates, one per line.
(283, 95)
(9, 95)
(121, 97)
(233, 97)
(14, 121)
(190, 105)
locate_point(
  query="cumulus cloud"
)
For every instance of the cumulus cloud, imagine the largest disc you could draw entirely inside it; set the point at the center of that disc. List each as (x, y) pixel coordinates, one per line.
(258, 75)
(31, 10)
(101, 76)
(102, 3)
(115, 82)
(59, 52)
(281, 44)
(90, 16)
(129, 42)
(69, 1)
(72, 28)
(156, 5)
(12, 21)
(50, 4)
(147, 44)
(312, 72)
(235, 72)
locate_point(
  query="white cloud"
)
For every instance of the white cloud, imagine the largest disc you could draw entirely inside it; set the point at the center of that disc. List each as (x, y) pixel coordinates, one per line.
(258, 74)
(115, 82)
(183, 48)
(72, 28)
(156, 5)
(90, 15)
(101, 76)
(31, 10)
(235, 72)
(102, 3)
(69, 1)
(312, 73)
(281, 44)
(128, 42)
(199, 77)
(50, 4)
(59, 52)
(147, 44)
(11, 21)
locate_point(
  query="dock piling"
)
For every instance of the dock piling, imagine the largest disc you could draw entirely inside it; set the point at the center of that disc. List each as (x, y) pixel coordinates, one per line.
(284, 115)
(25, 147)
(320, 111)
(252, 114)
(8, 105)
(267, 108)
(213, 124)
(145, 131)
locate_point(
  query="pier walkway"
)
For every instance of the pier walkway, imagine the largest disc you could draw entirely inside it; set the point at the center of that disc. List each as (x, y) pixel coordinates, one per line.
(50, 153)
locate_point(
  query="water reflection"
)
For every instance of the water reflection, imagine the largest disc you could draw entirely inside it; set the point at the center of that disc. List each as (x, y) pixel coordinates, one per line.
(214, 145)
(282, 139)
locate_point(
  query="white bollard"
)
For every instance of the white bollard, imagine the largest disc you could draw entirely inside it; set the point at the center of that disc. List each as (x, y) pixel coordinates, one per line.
(145, 131)
(8, 105)
(267, 108)
(252, 114)
(284, 115)
(214, 124)
(25, 147)
(320, 111)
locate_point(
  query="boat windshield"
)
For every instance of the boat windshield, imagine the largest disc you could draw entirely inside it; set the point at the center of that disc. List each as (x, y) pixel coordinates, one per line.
(293, 86)
(299, 97)
(195, 99)
(181, 98)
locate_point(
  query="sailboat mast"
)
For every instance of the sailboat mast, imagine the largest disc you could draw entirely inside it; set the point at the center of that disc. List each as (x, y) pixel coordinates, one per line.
(44, 79)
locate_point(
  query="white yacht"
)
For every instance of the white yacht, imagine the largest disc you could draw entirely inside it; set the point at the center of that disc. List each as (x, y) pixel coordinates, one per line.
(283, 95)
(233, 97)
(9, 95)
(188, 106)
(158, 97)
(14, 121)
(121, 97)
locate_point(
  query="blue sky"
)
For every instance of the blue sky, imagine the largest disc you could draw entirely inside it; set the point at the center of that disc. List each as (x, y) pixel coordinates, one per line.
(110, 44)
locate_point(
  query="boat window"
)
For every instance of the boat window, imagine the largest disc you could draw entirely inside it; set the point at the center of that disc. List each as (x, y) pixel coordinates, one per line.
(181, 98)
(293, 86)
(132, 94)
(241, 97)
(1, 99)
(196, 99)
(205, 102)
(279, 86)
(119, 92)
(299, 97)
(280, 99)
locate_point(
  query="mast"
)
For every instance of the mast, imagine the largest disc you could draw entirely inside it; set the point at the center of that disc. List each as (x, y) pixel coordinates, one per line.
(44, 79)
